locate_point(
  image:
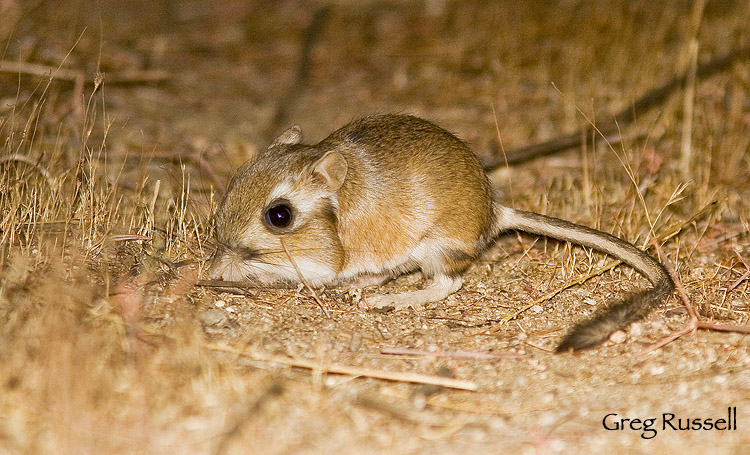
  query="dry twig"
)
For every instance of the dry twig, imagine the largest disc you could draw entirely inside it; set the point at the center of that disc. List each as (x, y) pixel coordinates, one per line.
(351, 370)
(744, 276)
(693, 322)
(458, 355)
(130, 77)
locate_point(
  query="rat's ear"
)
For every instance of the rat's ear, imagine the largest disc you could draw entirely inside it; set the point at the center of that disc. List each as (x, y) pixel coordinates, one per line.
(330, 170)
(292, 135)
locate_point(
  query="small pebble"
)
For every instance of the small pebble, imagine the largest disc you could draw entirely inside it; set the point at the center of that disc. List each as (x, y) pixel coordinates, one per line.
(213, 318)
(618, 337)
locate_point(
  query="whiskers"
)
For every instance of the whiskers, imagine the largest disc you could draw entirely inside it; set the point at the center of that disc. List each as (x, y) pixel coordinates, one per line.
(271, 267)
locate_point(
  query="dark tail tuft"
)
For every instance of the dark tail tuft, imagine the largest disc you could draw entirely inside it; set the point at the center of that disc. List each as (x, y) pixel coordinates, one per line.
(617, 316)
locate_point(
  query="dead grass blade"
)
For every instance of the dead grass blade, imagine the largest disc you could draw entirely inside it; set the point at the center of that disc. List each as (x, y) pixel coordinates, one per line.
(688, 101)
(348, 370)
(302, 279)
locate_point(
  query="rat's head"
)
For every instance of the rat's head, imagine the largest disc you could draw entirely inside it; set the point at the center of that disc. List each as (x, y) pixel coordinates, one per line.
(278, 218)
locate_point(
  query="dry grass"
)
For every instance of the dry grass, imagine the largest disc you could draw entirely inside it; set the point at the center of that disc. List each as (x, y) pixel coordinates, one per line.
(106, 190)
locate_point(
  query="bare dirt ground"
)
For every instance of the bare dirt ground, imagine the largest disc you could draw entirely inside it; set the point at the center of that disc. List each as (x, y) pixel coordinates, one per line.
(107, 346)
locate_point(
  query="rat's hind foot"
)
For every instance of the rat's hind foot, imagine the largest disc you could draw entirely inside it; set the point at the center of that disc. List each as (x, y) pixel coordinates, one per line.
(441, 287)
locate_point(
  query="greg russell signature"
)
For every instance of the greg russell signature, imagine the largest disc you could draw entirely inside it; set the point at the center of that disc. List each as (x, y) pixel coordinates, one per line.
(667, 421)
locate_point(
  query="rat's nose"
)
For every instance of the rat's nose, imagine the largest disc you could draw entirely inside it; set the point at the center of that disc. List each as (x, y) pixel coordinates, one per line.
(216, 265)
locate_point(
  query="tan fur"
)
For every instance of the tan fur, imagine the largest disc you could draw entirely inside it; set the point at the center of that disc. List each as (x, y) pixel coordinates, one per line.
(382, 196)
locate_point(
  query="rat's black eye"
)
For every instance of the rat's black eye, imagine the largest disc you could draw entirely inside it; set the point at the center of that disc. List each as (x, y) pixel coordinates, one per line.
(279, 215)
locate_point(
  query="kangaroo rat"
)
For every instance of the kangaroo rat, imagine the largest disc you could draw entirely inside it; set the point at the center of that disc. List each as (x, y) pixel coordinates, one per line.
(386, 195)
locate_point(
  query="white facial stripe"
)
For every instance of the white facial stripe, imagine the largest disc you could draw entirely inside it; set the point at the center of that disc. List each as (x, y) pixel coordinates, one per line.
(281, 190)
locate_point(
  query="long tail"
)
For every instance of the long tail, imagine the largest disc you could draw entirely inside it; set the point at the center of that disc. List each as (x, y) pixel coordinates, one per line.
(618, 315)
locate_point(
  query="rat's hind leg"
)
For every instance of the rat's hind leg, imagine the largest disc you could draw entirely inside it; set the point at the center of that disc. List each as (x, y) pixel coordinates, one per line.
(441, 287)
